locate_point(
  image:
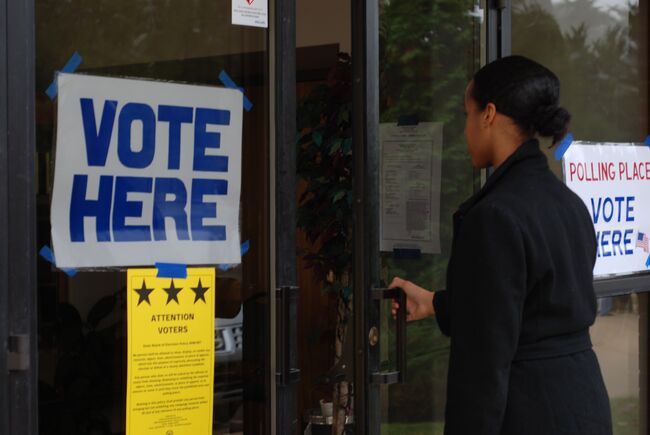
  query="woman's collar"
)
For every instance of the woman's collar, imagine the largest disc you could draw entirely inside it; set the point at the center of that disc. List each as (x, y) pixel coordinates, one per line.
(525, 151)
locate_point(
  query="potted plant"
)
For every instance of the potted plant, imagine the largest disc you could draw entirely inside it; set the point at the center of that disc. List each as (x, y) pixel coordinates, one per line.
(325, 209)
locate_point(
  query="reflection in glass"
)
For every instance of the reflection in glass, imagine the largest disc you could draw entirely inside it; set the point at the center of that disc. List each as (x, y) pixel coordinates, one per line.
(429, 50)
(82, 365)
(599, 50)
(616, 336)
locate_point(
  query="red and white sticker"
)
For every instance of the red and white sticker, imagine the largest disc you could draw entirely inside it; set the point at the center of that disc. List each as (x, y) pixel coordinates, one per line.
(252, 13)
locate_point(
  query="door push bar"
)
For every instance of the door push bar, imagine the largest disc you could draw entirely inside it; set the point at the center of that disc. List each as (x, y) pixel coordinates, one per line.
(287, 298)
(399, 375)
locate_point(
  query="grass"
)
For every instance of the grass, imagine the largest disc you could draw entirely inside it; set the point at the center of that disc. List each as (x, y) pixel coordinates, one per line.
(422, 428)
(625, 417)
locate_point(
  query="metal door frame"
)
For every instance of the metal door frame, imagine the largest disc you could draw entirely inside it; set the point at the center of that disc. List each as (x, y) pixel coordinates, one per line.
(283, 109)
(18, 363)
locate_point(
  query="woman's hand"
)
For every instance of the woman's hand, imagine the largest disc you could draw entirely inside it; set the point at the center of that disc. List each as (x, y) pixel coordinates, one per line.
(419, 302)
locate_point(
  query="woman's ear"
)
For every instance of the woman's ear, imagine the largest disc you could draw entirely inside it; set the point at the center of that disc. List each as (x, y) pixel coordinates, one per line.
(488, 115)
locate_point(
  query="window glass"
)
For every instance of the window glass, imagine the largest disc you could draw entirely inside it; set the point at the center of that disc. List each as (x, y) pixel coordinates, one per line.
(428, 52)
(81, 319)
(599, 50)
(619, 330)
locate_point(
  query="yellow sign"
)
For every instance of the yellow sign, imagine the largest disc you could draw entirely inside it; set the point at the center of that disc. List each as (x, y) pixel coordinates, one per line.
(170, 353)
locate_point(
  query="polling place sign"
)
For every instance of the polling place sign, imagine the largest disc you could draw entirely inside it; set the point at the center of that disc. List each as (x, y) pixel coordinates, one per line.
(613, 180)
(145, 172)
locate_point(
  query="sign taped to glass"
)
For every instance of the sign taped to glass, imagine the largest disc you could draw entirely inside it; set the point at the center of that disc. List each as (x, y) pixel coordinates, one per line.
(612, 180)
(146, 172)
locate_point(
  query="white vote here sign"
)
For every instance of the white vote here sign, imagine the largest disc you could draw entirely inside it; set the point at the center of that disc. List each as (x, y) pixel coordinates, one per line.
(145, 172)
(613, 180)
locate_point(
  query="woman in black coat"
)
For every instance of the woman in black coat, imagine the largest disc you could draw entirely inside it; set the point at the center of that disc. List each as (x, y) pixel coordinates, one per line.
(520, 298)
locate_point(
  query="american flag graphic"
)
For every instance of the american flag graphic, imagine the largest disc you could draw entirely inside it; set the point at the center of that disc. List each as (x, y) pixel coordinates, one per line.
(642, 242)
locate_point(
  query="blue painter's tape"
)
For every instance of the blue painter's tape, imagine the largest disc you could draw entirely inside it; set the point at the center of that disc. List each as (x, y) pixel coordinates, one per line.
(408, 120)
(647, 141)
(407, 253)
(48, 255)
(564, 146)
(229, 83)
(71, 66)
(171, 270)
(243, 249)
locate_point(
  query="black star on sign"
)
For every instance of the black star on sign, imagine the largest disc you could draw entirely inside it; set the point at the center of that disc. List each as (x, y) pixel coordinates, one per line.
(144, 293)
(200, 292)
(172, 293)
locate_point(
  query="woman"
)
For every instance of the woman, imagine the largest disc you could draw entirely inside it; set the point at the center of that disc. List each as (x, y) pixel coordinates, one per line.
(520, 297)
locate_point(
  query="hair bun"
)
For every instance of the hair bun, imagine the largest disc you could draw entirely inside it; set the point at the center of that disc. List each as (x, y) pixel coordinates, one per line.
(552, 121)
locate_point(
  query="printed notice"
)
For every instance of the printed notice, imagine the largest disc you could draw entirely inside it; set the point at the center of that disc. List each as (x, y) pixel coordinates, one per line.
(170, 353)
(254, 13)
(410, 186)
(612, 179)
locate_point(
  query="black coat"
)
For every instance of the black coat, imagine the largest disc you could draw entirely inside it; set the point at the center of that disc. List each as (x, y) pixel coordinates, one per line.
(518, 307)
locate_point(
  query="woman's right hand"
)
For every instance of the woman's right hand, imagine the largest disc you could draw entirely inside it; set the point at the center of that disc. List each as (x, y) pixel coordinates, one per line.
(419, 301)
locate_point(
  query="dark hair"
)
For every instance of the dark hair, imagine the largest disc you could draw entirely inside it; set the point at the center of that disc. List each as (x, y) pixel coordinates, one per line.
(525, 91)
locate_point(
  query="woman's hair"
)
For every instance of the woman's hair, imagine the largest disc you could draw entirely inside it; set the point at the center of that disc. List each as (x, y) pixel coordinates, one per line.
(525, 91)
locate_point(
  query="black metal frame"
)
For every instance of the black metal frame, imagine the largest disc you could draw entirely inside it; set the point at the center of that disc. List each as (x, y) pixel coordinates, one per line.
(287, 375)
(18, 388)
(4, 224)
(365, 124)
(499, 29)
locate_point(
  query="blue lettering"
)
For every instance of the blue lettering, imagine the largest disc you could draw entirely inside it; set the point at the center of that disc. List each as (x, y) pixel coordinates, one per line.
(124, 208)
(608, 215)
(204, 140)
(629, 209)
(174, 209)
(175, 115)
(619, 206)
(595, 210)
(97, 141)
(100, 209)
(201, 210)
(136, 112)
(616, 242)
(627, 241)
(604, 242)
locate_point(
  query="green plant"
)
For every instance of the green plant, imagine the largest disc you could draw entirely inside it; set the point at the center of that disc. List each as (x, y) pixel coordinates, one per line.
(325, 207)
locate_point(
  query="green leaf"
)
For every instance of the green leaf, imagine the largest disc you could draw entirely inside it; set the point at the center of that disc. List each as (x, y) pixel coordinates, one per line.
(335, 147)
(347, 145)
(318, 138)
(340, 194)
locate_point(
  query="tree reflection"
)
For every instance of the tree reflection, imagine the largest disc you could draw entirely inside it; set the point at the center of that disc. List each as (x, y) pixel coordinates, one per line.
(597, 54)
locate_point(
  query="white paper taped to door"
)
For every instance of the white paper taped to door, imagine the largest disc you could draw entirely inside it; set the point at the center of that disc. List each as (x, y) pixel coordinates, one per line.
(146, 172)
(613, 180)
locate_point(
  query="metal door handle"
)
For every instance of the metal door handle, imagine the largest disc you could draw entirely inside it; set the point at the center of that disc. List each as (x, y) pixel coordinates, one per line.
(287, 300)
(399, 375)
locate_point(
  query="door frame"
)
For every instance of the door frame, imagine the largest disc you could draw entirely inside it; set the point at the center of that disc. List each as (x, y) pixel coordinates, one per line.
(283, 167)
(18, 362)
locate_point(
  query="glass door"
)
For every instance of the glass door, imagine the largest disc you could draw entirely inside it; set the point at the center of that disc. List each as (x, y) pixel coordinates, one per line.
(82, 362)
(599, 50)
(428, 52)
(413, 171)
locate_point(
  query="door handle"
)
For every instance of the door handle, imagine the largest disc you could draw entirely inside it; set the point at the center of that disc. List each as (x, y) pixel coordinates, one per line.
(287, 298)
(398, 375)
